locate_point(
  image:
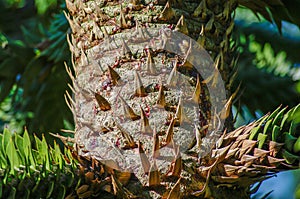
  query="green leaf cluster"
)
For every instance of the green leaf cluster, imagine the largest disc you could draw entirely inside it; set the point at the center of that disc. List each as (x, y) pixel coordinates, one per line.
(34, 170)
(33, 49)
(282, 128)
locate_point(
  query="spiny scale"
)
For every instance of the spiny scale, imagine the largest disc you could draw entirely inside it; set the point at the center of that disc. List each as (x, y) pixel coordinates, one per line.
(102, 102)
(173, 77)
(139, 88)
(115, 77)
(161, 101)
(167, 12)
(145, 126)
(128, 111)
(196, 95)
(150, 65)
(144, 160)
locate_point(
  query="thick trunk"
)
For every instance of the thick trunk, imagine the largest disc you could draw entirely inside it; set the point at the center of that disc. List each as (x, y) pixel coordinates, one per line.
(109, 44)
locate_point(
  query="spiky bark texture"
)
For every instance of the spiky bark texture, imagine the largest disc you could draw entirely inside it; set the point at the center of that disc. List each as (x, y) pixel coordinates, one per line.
(124, 98)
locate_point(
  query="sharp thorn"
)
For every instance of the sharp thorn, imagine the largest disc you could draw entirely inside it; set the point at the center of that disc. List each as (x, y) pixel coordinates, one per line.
(150, 65)
(114, 76)
(102, 102)
(145, 126)
(144, 160)
(173, 77)
(170, 132)
(139, 88)
(197, 93)
(129, 142)
(161, 101)
(155, 149)
(182, 26)
(167, 13)
(122, 20)
(128, 111)
(154, 176)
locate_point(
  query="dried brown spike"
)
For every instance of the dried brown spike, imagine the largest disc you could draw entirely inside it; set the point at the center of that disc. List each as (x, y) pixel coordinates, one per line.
(125, 49)
(139, 88)
(150, 65)
(129, 142)
(198, 137)
(179, 115)
(176, 171)
(144, 160)
(197, 92)
(122, 20)
(71, 7)
(170, 132)
(161, 101)
(176, 165)
(102, 102)
(175, 191)
(128, 111)
(227, 108)
(154, 176)
(83, 58)
(181, 26)
(167, 12)
(114, 76)
(172, 79)
(155, 149)
(145, 126)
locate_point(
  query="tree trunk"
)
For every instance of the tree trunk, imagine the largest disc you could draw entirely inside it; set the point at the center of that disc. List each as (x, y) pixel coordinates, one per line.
(125, 104)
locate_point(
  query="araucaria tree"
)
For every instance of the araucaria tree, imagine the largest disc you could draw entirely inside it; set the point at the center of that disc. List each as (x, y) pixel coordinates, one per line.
(135, 96)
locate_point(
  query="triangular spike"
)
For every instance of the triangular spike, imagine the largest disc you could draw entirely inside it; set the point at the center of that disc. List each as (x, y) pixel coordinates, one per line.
(150, 65)
(175, 191)
(129, 142)
(181, 26)
(198, 137)
(96, 30)
(177, 167)
(173, 77)
(128, 111)
(155, 149)
(114, 76)
(83, 59)
(227, 108)
(167, 13)
(179, 115)
(161, 101)
(125, 48)
(154, 176)
(144, 160)
(102, 102)
(71, 7)
(196, 95)
(139, 88)
(145, 127)
(170, 132)
(122, 20)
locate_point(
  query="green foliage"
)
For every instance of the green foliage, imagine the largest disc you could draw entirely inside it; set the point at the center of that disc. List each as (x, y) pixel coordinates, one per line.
(31, 61)
(43, 5)
(282, 127)
(34, 170)
(265, 67)
(275, 10)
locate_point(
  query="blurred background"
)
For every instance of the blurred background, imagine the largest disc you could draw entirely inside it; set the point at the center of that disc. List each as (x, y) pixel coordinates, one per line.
(33, 80)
